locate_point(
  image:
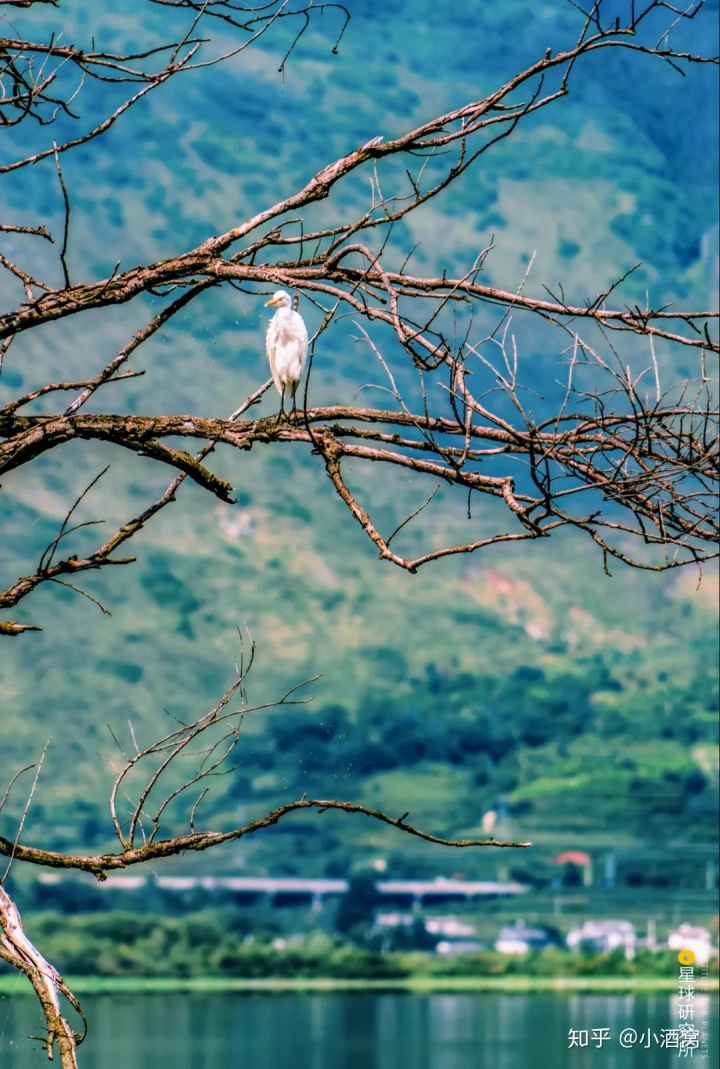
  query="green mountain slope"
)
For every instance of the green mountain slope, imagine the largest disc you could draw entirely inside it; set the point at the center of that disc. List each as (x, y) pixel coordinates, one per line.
(526, 682)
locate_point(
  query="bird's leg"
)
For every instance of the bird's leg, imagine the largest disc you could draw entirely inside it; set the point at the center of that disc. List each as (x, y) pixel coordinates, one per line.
(281, 413)
(294, 407)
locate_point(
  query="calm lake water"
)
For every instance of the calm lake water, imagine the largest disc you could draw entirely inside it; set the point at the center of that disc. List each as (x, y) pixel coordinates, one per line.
(357, 1031)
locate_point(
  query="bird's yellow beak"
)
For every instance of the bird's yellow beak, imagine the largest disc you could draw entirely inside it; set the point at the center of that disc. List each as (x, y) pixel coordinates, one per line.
(272, 302)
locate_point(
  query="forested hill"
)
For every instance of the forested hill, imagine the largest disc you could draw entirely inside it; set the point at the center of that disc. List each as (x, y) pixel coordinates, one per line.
(577, 705)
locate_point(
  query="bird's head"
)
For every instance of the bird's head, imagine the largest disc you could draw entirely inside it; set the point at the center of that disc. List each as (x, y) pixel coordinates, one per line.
(281, 299)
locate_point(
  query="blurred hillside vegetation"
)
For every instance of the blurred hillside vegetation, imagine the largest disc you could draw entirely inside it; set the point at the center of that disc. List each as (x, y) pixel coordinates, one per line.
(518, 680)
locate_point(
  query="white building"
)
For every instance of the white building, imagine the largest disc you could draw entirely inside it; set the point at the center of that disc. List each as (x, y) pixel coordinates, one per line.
(698, 940)
(449, 927)
(519, 939)
(604, 936)
(458, 946)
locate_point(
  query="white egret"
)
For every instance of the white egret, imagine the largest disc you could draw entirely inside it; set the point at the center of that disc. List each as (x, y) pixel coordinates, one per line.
(286, 345)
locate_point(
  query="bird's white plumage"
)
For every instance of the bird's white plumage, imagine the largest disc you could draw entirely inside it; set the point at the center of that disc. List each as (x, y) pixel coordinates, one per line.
(286, 345)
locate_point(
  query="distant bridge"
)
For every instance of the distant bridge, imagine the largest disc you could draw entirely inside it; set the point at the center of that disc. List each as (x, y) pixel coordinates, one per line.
(291, 891)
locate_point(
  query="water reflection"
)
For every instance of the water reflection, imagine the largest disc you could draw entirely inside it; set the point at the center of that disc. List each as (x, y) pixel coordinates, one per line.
(352, 1031)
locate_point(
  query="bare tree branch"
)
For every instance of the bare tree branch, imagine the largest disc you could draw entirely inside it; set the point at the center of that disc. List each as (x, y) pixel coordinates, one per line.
(17, 950)
(145, 780)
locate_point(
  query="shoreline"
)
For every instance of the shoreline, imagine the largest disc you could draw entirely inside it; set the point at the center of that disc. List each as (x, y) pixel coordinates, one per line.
(100, 985)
